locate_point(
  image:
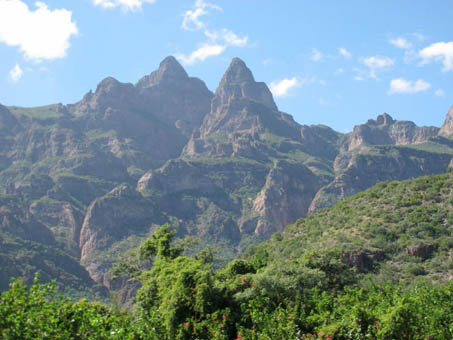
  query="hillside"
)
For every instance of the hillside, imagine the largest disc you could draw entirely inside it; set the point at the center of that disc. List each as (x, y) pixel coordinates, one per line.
(395, 231)
(376, 266)
(228, 167)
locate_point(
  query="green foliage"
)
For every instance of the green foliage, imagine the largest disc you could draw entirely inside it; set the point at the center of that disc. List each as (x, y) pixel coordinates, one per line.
(39, 312)
(377, 231)
(277, 294)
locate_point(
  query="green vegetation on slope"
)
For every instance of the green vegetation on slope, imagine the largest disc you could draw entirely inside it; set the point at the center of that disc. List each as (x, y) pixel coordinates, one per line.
(393, 231)
(182, 298)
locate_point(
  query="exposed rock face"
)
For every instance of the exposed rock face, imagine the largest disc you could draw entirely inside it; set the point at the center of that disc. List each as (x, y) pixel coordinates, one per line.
(120, 213)
(174, 97)
(386, 131)
(241, 109)
(220, 166)
(148, 123)
(357, 172)
(115, 217)
(285, 197)
(447, 128)
(62, 219)
(170, 72)
(422, 250)
(8, 123)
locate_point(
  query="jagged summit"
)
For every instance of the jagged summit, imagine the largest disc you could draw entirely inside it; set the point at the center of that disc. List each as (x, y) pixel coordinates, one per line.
(237, 73)
(238, 83)
(447, 126)
(387, 131)
(107, 84)
(383, 119)
(170, 70)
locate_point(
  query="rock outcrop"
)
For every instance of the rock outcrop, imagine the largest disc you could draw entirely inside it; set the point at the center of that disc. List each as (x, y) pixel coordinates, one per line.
(89, 179)
(285, 197)
(387, 131)
(447, 127)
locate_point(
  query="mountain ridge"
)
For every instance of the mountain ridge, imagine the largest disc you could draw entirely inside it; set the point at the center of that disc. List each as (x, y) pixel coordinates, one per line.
(227, 167)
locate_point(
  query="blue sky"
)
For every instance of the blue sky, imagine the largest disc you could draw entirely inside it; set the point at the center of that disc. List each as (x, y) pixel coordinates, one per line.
(336, 63)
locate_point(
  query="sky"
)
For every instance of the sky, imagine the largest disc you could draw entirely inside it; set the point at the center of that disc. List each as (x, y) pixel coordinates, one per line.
(337, 63)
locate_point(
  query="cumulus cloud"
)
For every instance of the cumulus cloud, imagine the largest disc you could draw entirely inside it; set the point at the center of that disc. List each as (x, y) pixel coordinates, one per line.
(227, 38)
(441, 51)
(191, 18)
(40, 34)
(201, 53)
(344, 52)
(16, 73)
(401, 85)
(127, 5)
(401, 43)
(374, 64)
(439, 93)
(218, 40)
(378, 62)
(281, 88)
(316, 55)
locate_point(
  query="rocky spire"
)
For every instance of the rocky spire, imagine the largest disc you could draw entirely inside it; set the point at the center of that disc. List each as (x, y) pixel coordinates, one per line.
(170, 70)
(447, 126)
(385, 119)
(238, 82)
(237, 73)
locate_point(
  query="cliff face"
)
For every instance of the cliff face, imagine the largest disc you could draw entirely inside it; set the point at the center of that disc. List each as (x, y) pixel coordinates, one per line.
(386, 131)
(447, 127)
(90, 179)
(121, 214)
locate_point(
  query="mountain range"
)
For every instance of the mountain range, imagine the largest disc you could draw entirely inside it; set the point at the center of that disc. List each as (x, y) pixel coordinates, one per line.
(82, 183)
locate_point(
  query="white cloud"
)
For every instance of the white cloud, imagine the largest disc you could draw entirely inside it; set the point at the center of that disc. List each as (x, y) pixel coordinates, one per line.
(401, 85)
(16, 73)
(218, 40)
(316, 55)
(339, 71)
(281, 88)
(191, 18)
(344, 52)
(439, 93)
(231, 39)
(401, 43)
(39, 34)
(374, 64)
(227, 37)
(441, 51)
(201, 54)
(378, 62)
(127, 5)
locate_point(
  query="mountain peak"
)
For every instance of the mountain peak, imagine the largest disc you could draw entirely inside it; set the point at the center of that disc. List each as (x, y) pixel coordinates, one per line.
(447, 126)
(169, 70)
(385, 119)
(170, 67)
(237, 72)
(238, 82)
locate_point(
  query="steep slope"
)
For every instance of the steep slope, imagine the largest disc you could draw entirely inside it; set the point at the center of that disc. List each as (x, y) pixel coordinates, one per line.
(58, 159)
(246, 166)
(228, 168)
(395, 230)
(27, 246)
(384, 150)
